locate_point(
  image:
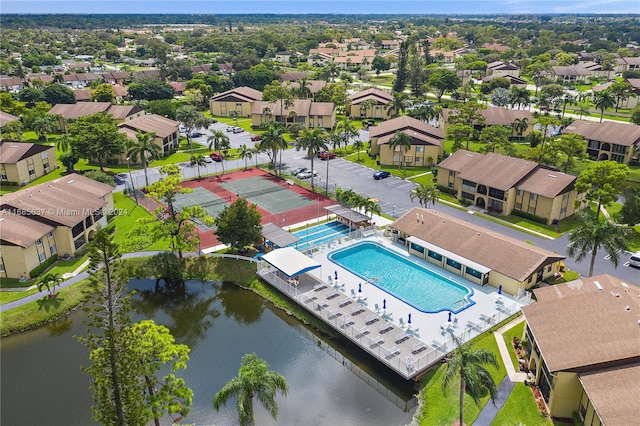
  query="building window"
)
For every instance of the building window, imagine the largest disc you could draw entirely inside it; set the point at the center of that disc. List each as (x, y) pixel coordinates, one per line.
(45, 154)
(452, 173)
(52, 249)
(417, 248)
(473, 272)
(42, 257)
(519, 192)
(419, 148)
(530, 278)
(79, 242)
(39, 242)
(468, 196)
(78, 229)
(496, 193)
(454, 264)
(432, 254)
(549, 268)
(533, 196)
(3, 177)
(32, 172)
(50, 234)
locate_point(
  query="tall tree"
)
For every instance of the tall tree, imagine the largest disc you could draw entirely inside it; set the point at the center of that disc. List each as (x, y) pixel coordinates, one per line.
(601, 181)
(573, 147)
(443, 81)
(245, 153)
(271, 142)
(58, 94)
(467, 365)
(238, 225)
(313, 141)
(401, 142)
(96, 137)
(143, 149)
(493, 137)
(400, 83)
(255, 379)
(220, 142)
(170, 223)
(592, 234)
(191, 120)
(520, 125)
(425, 194)
(398, 104)
(198, 161)
(103, 93)
(459, 133)
(622, 90)
(604, 100)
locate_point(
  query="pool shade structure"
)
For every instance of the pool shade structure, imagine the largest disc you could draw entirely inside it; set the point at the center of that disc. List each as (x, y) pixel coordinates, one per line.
(290, 261)
(278, 236)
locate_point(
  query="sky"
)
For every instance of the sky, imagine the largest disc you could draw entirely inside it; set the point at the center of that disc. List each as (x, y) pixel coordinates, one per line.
(414, 7)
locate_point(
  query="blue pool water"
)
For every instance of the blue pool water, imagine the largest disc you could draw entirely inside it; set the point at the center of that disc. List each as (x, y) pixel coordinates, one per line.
(404, 279)
(319, 234)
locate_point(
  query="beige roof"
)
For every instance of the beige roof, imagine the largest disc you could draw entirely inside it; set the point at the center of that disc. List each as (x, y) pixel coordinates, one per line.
(596, 326)
(243, 94)
(152, 123)
(506, 255)
(460, 160)
(614, 393)
(497, 170)
(314, 86)
(83, 109)
(5, 118)
(497, 116)
(82, 95)
(19, 230)
(406, 124)
(372, 93)
(302, 108)
(11, 152)
(321, 108)
(547, 183)
(418, 139)
(607, 131)
(65, 201)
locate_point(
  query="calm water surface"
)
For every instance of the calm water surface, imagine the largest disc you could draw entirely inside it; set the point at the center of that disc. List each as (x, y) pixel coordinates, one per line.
(42, 384)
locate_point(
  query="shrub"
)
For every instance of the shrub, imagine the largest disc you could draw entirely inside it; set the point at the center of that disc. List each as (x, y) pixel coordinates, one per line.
(43, 266)
(447, 190)
(531, 217)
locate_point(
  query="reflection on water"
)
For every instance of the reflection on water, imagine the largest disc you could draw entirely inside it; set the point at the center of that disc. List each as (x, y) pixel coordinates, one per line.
(220, 322)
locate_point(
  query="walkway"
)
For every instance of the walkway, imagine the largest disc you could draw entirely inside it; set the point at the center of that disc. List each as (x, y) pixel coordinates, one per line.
(489, 412)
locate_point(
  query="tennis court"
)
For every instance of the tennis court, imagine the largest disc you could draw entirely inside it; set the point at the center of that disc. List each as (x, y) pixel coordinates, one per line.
(272, 197)
(201, 197)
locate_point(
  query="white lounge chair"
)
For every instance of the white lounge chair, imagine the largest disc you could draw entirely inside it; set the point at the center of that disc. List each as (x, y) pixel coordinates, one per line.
(371, 319)
(389, 352)
(377, 341)
(402, 324)
(385, 327)
(418, 347)
(377, 307)
(400, 337)
(361, 332)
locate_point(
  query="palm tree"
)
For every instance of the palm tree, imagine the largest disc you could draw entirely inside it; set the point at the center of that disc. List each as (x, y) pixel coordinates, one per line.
(266, 112)
(592, 234)
(143, 149)
(313, 141)
(425, 194)
(468, 363)
(43, 124)
(348, 130)
(604, 100)
(519, 96)
(583, 110)
(401, 141)
(358, 145)
(198, 161)
(191, 119)
(220, 142)
(303, 89)
(397, 105)
(520, 125)
(272, 141)
(371, 207)
(245, 153)
(567, 99)
(254, 379)
(234, 114)
(49, 281)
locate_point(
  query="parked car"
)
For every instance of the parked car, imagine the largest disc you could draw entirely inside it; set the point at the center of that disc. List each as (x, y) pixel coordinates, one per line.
(307, 174)
(256, 138)
(326, 155)
(238, 130)
(196, 134)
(230, 128)
(297, 171)
(216, 156)
(380, 174)
(208, 160)
(634, 260)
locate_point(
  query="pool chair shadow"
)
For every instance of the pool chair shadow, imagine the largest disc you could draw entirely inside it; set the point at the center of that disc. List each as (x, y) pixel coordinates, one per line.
(402, 324)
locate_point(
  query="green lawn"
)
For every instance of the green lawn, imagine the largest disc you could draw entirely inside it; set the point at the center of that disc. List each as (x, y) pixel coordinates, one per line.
(441, 409)
(520, 408)
(508, 336)
(124, 222)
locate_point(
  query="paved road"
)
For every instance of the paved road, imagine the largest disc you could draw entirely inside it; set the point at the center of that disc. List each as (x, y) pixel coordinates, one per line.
(392, 195)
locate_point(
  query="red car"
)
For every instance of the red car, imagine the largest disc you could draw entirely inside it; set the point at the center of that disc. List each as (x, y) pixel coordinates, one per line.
(216, 156)
(256, 138)
(327, 155)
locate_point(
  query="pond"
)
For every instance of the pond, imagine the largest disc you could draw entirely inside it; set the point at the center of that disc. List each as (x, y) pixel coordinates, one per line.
(330, 381)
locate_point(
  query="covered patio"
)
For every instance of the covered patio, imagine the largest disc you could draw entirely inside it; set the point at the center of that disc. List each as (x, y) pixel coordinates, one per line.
(278, 237)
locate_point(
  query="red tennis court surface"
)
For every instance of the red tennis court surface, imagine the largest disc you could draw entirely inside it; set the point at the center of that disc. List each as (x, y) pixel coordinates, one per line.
(289, 217)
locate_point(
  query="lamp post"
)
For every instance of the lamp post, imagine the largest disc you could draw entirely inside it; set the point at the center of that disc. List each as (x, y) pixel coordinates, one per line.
(135, 196)
(394, 211)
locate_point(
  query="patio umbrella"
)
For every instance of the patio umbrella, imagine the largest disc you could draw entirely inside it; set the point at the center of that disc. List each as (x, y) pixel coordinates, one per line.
(409, 319)
(335, 273)
(359, 287)
(500, 289)
(449, 317)
(384, 303)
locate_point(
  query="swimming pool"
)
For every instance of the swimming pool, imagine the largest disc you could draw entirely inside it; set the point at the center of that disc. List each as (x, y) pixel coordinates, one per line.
(403, 278)
(316, 235)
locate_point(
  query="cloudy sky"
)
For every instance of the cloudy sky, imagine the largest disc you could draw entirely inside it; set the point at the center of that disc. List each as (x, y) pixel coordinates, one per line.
(325, 6)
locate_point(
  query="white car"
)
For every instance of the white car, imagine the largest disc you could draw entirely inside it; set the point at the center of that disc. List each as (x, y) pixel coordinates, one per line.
(208, 159)
(634, 260)
(307, 174)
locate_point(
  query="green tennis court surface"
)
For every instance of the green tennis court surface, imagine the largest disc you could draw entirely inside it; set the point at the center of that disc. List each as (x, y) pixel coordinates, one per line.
(201, 197)
(267, 195)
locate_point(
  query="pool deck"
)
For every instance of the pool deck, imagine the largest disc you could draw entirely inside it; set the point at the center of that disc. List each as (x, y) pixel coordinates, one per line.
(408, 349)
